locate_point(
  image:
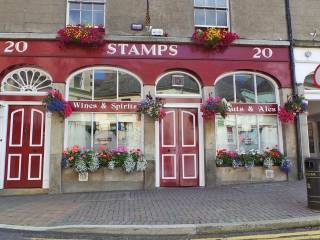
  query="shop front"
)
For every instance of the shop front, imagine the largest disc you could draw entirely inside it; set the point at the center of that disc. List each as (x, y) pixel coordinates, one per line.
(106, 86)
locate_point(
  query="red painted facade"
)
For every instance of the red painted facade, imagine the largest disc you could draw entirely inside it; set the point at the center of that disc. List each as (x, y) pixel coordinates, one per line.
(205, 65)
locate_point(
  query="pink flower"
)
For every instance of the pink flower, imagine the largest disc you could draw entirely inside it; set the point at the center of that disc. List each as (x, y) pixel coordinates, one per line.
(75, 148)
(71, 158)
(102, 148)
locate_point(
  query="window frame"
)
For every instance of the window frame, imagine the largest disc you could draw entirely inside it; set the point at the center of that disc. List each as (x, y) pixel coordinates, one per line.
(71, 76)
(178, 95)
(277, 97)
(86, 1)
(226, 9)
(92, 86)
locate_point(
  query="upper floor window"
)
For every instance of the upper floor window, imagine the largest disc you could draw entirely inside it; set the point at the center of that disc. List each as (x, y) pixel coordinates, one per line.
(27, 80)
(86, 12)
(211, 13)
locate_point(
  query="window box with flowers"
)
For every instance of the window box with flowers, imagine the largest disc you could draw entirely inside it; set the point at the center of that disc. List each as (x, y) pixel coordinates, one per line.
(233, 167)
(214, 39)
(82, 35)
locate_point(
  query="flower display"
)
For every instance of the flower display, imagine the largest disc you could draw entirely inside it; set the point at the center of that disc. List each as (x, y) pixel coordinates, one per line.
(296, 104)
(83, 35)
(152, 107)
(214, 39)
(285, 116)
(87, 160)
(268, 159)
(81, 161)
(214, 105)
(54, 102)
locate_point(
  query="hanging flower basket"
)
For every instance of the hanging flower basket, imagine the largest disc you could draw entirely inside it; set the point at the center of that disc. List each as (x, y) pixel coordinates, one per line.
(296, 104)
(152, 107)
(214, 39)
(285, 116)
(82, 35)
(54, 102)
(214, 105)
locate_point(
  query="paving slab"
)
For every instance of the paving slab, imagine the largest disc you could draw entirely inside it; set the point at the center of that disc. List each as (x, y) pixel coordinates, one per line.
(188, 209)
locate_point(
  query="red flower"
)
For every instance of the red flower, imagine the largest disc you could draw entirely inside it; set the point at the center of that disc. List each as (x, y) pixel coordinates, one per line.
(285, 116)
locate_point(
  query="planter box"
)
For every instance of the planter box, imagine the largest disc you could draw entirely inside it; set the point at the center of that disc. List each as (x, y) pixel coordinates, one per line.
(230, 175)
(102, 180)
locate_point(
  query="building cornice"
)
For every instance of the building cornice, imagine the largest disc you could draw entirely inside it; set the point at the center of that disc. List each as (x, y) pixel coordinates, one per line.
(306, 43)
(132, 38)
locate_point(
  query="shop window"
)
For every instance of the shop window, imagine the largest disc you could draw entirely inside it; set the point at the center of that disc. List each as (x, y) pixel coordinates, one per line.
(211, 13)
(92, 130)
(105, 84)
(27, 81)
(86, 12)
(251, 131)
(243, 133)
(178, 83)
(246, 88)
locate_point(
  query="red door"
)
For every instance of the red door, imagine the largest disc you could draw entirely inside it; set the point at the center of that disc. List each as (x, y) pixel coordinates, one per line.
(25, 147)
(179, 148)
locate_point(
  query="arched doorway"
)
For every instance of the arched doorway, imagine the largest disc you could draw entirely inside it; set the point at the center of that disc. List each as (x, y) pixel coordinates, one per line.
(179, 135)
(25, 159)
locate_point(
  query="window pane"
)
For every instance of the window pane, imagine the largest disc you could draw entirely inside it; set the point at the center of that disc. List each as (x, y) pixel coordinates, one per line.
(74, 17)
(221, 3)
(210, 3)
(79, 130)
(222, 18)
(268, 128)
(199, 3)
(247, 133)
(98, 6)
(105, 85)
(83, 91)
(265, 91)
(311, 138)
(86, 6)
(129, 88)
(98, 18)
(224, 88)
(177, 84)
(245, 88)
(211, 17)
(74, 6)
(86, 17)
(105, 130)
(129, 130)
(199, 17)
(226, 132)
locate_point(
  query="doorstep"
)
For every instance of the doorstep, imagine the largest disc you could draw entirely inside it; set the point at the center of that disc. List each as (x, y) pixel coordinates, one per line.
(23, 191)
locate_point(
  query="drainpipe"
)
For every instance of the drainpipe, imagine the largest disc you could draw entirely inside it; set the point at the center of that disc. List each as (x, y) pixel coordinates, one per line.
(295, 92)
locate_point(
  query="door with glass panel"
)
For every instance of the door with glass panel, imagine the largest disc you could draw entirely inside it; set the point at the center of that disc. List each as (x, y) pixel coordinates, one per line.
(179, 148)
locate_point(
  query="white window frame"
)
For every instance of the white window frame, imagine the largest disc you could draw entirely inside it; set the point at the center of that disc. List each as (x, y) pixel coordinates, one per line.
(92, 113)
(85, 1)
(178, 95)
(276, 92)
(212, 8)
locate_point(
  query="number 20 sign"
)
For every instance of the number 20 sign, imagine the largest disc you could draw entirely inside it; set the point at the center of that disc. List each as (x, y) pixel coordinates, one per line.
(11, 47)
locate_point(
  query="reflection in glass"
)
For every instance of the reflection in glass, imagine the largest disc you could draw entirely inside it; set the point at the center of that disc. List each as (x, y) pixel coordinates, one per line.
(245, 92)
(129, 87)
(211, 17)
(224, 88)
(79, 129)
(105, 131)
(268, 128)
(129, 130)
(226, 132)
(199, 3)
(222, 18)
(80, 86)
(185, 85)
(74, 17)
(247, 133)
(86, 17)
(105, 85)
(265, 91)
(199, 16)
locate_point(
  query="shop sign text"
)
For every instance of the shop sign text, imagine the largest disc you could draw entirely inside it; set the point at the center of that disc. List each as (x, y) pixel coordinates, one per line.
(253, 108)
(97, 106)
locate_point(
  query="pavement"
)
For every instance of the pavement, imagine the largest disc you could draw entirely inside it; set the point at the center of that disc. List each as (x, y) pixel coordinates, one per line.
(249, 207)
